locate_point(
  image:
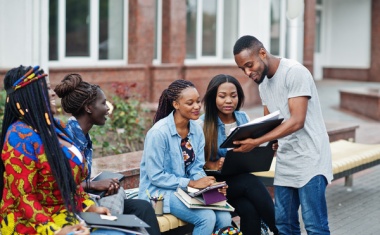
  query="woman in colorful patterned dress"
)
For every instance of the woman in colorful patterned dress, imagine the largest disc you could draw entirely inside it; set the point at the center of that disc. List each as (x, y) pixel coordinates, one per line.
(174, 157)
(41, 168)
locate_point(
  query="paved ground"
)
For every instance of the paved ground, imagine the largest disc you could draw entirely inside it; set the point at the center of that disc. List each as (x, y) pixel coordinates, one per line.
(355, 210)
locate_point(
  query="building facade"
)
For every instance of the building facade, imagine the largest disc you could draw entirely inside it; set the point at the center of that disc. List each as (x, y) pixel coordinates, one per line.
(153, 42)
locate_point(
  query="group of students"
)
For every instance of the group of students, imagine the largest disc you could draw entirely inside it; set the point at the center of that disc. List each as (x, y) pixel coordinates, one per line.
(46, 164)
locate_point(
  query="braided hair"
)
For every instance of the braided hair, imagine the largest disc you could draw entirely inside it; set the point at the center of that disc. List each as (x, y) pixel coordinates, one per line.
(172, 93)
(210, 127)
(75, 93)
(30, 104)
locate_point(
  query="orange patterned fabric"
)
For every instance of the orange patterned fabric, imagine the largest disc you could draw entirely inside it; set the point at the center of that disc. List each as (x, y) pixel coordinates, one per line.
(32, 203)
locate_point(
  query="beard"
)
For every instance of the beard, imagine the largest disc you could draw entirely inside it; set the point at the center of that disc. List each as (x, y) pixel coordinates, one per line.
(263, 74)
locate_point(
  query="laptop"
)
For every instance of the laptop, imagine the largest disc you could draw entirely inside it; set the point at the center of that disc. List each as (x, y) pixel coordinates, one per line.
(258, 159)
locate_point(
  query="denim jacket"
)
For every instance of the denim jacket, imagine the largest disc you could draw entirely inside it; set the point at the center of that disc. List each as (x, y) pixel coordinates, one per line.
(82, 141)
(241, 118)
(162, 168)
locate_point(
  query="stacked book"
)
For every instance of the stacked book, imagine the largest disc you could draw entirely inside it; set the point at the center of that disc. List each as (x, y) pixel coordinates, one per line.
(206, 198)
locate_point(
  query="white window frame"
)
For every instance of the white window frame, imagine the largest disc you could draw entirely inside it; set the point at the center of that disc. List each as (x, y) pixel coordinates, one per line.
(93, 60)
(158, 60)
(218, 58)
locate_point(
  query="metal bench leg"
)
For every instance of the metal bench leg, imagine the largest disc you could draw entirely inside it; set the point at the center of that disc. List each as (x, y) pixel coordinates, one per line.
(349, 181)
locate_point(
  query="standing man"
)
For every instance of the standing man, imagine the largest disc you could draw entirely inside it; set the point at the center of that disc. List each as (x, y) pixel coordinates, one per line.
(303, 167)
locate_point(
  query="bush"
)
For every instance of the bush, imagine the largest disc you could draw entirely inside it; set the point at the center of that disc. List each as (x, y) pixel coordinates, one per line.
(124, 130)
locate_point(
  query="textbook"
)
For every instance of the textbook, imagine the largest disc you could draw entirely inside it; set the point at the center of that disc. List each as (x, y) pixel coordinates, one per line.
(104, 175)
(226, 207)
(253, 129)
(122, 222)
(218, 200)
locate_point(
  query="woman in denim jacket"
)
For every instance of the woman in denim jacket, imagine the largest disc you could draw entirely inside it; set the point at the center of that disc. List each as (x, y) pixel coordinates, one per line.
(174, 157)
(252, 202)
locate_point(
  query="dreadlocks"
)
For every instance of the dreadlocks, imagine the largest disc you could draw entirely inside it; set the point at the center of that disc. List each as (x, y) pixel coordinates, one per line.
(172, 93)
(31, 105)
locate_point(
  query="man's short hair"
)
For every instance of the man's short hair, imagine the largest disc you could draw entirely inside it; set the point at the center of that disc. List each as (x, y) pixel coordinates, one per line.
(247, 42)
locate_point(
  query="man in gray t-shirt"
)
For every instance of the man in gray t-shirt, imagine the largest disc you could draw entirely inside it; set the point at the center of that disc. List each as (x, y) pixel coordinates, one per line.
(303, 167)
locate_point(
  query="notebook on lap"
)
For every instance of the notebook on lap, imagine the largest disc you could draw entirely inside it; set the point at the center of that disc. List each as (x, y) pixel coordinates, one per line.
(258, 159)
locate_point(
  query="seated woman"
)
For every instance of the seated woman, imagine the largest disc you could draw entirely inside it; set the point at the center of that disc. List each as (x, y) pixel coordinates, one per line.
(174, 157)
(87, 103)
(222, 101)
(41, 168)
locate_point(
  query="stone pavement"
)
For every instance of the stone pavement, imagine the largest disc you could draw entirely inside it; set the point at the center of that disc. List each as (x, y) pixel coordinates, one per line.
(354, 210)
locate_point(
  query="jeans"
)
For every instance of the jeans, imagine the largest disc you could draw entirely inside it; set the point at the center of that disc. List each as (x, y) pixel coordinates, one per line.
(312, 199)
(252, 202)
(205, 221)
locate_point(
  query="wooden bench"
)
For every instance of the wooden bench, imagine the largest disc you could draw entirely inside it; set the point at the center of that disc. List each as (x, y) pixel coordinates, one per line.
(347, 159)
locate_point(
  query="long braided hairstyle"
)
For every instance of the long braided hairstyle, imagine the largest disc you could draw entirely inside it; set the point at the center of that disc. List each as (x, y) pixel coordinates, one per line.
(75, 93)
(210, 127)
(172, 93)
(30, 104)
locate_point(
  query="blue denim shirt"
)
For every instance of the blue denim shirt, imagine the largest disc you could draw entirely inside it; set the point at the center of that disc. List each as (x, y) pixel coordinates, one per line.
(241, 118)
(82, 141)
(162, 168)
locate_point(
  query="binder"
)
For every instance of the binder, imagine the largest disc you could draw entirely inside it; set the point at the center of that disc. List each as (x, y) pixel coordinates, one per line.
(250, 130)
(125, 223)
(256, 160)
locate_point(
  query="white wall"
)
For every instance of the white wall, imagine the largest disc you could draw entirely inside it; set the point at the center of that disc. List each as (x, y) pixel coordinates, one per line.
(254, 19)
(348, 33)
(24, 33)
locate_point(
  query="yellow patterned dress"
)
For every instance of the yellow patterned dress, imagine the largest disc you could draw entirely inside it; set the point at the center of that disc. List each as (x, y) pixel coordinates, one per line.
(32, 203)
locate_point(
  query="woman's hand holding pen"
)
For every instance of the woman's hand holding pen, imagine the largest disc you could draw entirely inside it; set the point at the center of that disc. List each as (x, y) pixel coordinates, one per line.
(202, 182)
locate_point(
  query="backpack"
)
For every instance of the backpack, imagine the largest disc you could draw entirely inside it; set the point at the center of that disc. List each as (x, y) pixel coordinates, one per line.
(228, 230)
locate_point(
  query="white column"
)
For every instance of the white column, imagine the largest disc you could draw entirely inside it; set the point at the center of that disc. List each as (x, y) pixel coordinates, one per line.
(295, 33)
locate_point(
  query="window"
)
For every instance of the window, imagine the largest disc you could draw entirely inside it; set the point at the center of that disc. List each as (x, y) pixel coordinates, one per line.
(277, 27)
(85, 32)
(212, 29)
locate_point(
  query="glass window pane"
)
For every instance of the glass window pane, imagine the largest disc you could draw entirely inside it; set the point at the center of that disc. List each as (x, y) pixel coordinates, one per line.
(317, 47)
(77, 28)
(209, 28)
(275, 27)
(53, 30)
(230, 27)
(111, 29)
(191, 28)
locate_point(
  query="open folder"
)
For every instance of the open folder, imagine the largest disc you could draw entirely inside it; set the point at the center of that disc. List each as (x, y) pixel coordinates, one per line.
(256, 160)
(253, 129)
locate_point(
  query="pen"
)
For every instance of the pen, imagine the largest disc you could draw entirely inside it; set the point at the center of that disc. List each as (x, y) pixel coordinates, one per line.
(147, 193)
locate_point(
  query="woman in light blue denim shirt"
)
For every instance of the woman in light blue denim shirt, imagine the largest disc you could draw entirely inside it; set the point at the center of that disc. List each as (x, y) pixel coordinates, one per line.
(222, 101)
(174, 157)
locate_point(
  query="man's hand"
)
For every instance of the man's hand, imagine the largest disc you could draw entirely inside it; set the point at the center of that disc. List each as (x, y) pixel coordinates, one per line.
(245, 145)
